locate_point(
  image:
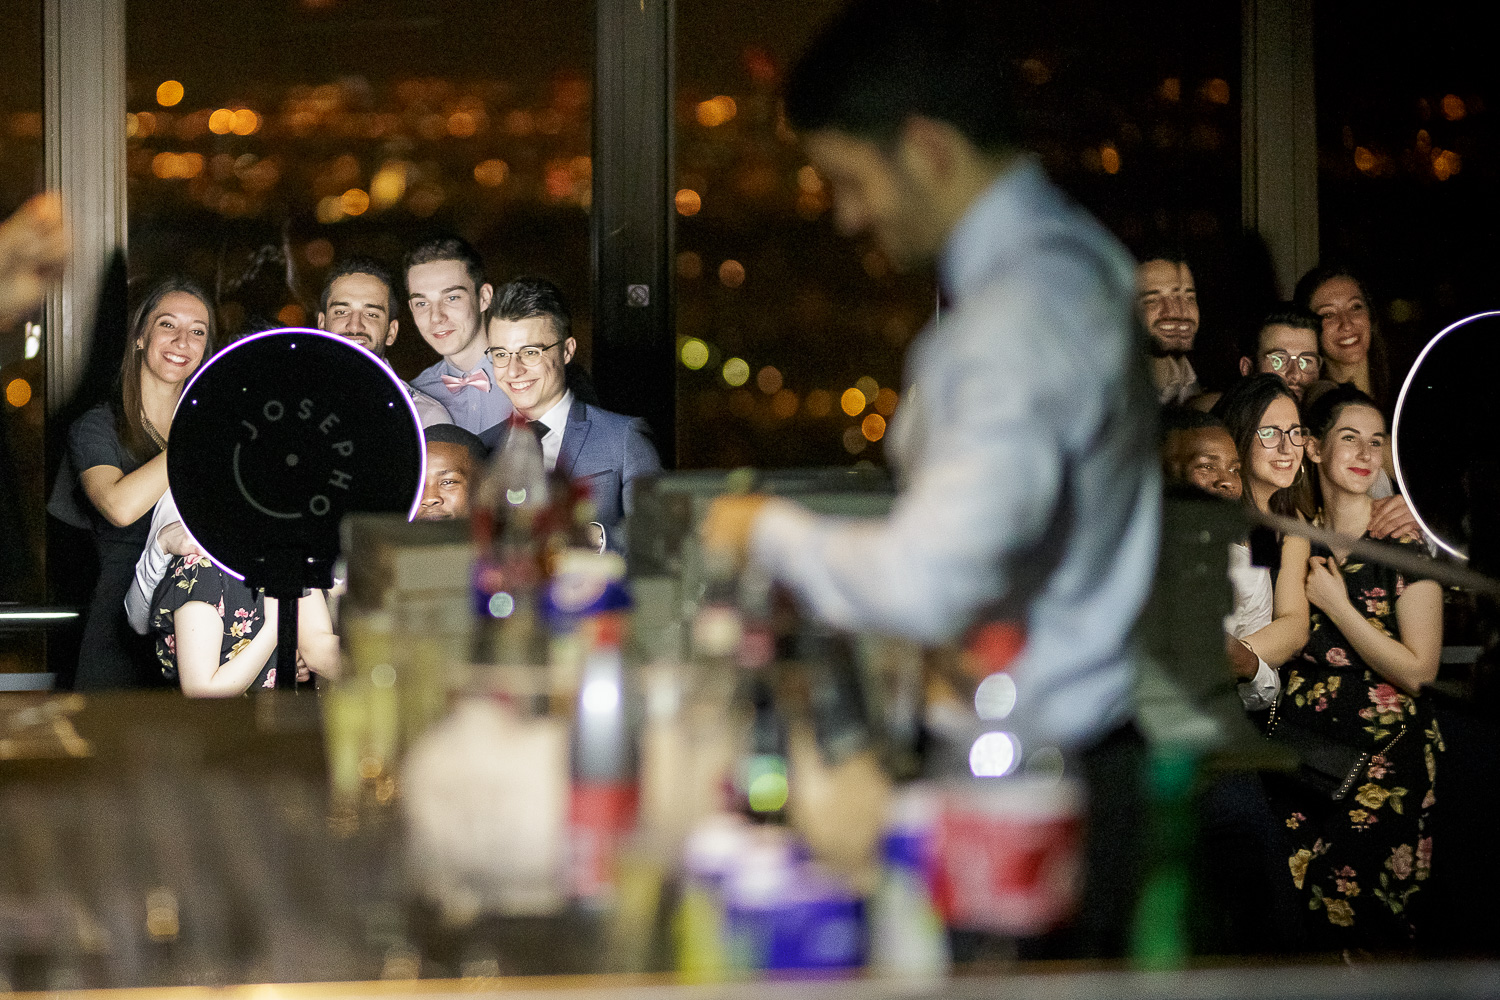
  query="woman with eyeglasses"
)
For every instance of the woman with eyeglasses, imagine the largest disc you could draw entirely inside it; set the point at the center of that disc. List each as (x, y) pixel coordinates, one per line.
(1376, 638)
(1261, 415)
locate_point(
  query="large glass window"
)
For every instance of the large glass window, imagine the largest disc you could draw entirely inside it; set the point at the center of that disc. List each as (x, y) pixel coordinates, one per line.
(267, 139)
(1407, 159)
(791, 338)
(22, 358)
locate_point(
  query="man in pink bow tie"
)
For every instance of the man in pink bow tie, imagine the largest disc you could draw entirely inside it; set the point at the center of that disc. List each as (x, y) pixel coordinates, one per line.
(447, 293)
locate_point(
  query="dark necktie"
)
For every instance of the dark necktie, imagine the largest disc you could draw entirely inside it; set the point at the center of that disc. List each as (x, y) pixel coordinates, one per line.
(538, 428)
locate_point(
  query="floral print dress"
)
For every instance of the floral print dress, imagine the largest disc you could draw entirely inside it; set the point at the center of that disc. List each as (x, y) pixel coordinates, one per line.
(1360, 862)
(195, 578)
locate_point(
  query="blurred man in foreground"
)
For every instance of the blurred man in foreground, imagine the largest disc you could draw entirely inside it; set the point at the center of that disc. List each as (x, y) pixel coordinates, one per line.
(1031, 487)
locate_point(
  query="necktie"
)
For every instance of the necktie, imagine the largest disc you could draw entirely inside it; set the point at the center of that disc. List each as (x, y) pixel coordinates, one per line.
(538, 428)
(456, 383)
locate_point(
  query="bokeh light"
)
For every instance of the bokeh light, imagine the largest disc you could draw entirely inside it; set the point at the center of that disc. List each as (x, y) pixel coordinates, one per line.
(169, 93)
(819, 403)
(852, 402)
(769, 380)
(868, 386)
(1109, 158)
(221, 121)
(18, 392)
(689, 202)
(784, 404)
(689, 265)
(245, 122)
(716, 111)
(1453, 107)
(694, 353)
(388, 186)
(885, 401)
(731, 274)
(354, 201)
(993, 755)
(872, 427)
(1216, 91)
(292, 314)
(319, 253)
(854, 441)
(491, 173)
(736, 371)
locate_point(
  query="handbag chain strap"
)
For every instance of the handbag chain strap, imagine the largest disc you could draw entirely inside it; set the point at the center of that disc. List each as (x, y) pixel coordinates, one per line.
(1271, 726)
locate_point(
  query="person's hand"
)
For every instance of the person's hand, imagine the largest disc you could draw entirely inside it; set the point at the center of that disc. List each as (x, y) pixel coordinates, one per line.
(304, 672)
(1325, 584)
(175, 541)
(727, 525)
(32, 252)
(1243, 662)
(1390, 517)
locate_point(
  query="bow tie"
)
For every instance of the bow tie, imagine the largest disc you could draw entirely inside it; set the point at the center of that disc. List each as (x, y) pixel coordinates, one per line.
(455, 383)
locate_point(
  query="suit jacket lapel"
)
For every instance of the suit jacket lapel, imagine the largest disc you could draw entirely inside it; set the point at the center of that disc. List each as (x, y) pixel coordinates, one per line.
(573, 437)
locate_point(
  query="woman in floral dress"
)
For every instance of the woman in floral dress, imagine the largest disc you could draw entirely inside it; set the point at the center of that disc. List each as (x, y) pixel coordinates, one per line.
(1376, 638)
(216, 637)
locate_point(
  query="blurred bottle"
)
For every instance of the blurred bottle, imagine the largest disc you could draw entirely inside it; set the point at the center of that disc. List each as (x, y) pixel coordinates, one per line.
(605, 792)
(701, 945)
(508, 519)
(907, 937)
(1159, 936)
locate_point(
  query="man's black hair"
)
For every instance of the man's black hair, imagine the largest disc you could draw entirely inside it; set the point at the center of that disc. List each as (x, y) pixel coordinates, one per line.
(529, 297)
(1185, 418)
(445, 248)
(1283, 314)
(1172, 253)
(454, 434)
(879, 62)
(358, 264)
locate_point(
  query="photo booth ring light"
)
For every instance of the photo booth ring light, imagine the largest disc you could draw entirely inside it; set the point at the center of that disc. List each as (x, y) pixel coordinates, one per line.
(276, 438)
(1440, 430)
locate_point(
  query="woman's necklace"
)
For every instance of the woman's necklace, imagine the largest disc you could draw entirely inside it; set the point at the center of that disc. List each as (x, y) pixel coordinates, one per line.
(151, 431)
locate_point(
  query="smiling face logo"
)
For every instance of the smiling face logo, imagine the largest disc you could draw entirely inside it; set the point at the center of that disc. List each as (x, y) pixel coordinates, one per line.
(275, 449)
(280, 435)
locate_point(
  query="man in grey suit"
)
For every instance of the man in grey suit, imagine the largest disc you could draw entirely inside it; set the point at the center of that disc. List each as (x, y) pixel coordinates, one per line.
(529, 328)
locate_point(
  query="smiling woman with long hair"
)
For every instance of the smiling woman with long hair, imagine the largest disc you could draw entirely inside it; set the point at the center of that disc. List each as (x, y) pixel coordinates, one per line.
(1376, 638)
(118, 449)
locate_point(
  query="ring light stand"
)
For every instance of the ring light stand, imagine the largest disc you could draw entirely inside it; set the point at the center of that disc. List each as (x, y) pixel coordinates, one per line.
(275, 439)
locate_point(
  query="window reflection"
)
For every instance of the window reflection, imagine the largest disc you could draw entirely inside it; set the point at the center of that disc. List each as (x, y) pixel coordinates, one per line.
(1134, 110)
(290, 134)
(22, 358)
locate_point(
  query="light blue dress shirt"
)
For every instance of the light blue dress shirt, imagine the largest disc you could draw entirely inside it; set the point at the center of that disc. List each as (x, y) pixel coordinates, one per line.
(472, 409)
(1024, 447)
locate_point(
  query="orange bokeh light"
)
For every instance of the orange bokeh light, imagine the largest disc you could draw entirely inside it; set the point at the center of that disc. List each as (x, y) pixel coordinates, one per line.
(852, 402)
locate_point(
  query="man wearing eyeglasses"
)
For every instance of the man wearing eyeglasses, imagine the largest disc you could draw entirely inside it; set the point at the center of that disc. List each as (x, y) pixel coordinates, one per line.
(528, 328)
(1286, 345)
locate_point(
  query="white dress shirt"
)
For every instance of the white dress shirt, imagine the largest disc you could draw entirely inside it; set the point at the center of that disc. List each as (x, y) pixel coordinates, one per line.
(1030, 485)
(556, 420)
(1254, 609)
(150, 567)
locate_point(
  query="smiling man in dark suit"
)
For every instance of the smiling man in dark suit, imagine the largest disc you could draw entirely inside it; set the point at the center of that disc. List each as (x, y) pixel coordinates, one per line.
(530, 344)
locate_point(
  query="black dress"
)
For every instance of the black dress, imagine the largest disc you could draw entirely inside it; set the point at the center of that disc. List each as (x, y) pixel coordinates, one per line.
(112, 655)
(195, 578)
(1362, 862)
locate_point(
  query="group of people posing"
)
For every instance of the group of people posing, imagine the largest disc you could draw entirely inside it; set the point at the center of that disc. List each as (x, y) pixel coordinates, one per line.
(1324, 642)
(163, 613)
